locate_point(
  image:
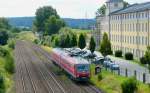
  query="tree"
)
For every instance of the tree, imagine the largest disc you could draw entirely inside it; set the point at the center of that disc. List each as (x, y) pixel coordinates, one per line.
(105, 46)
(53, 25)
(74, 40)
(92, 45)
(126, 4)
(2, 84)
(129, 86)
(101, 10)
(42, 14)
(147, 57)
(82, 41)
(4, 24)
(3, 37)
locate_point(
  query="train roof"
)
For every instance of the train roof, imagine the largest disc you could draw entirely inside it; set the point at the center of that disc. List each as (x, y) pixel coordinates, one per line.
(73, 59)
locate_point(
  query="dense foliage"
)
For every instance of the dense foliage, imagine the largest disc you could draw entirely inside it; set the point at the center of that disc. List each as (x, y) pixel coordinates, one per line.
(42, 14)
(92, 45)
(118, 53)
(101, 10)
(143, 60)
(9, 63)
(53, 25)
(129, 56)
(129, 86)
(4, 23)
(105, 46)
(47, 21)
(67, 38)
(2, 84)
(82, 41)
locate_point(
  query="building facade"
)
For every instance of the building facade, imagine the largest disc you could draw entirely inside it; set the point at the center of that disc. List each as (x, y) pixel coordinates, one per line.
(128, 28)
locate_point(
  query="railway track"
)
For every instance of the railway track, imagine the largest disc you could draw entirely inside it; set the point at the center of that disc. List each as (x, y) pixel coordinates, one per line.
(86, 88)
(35, 73)
(29, 78)
(23, 78)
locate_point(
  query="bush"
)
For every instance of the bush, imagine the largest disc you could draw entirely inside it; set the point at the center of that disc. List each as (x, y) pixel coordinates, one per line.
(3, 52)
(129, 86)
(11, 43)
(36, 41)
(118, 53)
(3, 37)
(129, 56)
(9, 64)
(2, 84)
(100, 77)
(143, 60)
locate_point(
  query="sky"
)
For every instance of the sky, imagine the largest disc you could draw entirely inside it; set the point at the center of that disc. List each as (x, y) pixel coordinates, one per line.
(65, 8)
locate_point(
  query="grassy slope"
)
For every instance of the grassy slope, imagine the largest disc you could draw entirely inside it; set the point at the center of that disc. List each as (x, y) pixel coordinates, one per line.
(111, 83)
(9, 82)
(26, 35)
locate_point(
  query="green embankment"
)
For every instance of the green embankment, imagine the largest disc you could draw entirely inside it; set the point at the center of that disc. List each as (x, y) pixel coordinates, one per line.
(111, 83)
(8, 77)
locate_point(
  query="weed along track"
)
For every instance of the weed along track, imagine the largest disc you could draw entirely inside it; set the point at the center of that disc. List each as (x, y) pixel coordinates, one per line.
(35, 73)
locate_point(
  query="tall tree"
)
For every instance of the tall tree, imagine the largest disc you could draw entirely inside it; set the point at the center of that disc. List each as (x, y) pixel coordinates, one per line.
(126, 4)
(92, 45)
(147, 57)
(3, 36)
(82, 41)
(53, 25)
(101, 10)
(42, 14)
(4, 24)
(105, 46)
(74, 40)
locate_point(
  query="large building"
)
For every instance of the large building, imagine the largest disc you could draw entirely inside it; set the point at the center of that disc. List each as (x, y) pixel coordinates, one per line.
(128, 27)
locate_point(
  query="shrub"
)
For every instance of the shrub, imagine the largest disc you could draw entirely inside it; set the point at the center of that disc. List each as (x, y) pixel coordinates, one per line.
(36, 41)
(3, 52)
(3, 37)
(143, 60)
(11, 43)
(129, 86)
(129, 56)
(100, 77)
(2, 84)
(118, 53)
(9, 64)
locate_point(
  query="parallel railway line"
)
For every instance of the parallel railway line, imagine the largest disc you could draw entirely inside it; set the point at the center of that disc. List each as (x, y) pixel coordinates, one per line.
(87, 88)
(35, 73)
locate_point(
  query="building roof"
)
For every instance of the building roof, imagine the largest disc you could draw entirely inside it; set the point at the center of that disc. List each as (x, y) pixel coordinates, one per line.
(110, 1)
(133, 8)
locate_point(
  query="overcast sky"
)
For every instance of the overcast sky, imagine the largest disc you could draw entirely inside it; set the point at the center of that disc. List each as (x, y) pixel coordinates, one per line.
(65, 8)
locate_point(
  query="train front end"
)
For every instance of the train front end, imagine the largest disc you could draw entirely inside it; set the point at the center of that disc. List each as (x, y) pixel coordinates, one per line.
(82, 72)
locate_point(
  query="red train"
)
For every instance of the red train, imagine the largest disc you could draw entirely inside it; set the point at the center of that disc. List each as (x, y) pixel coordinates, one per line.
(77, 67)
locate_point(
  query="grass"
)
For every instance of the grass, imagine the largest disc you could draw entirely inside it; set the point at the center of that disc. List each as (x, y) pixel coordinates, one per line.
(9, 83)
(111, 83)
(46, 48)
(26, 35)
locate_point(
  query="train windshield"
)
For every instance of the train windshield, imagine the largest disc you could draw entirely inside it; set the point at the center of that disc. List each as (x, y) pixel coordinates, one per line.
(81, 68)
